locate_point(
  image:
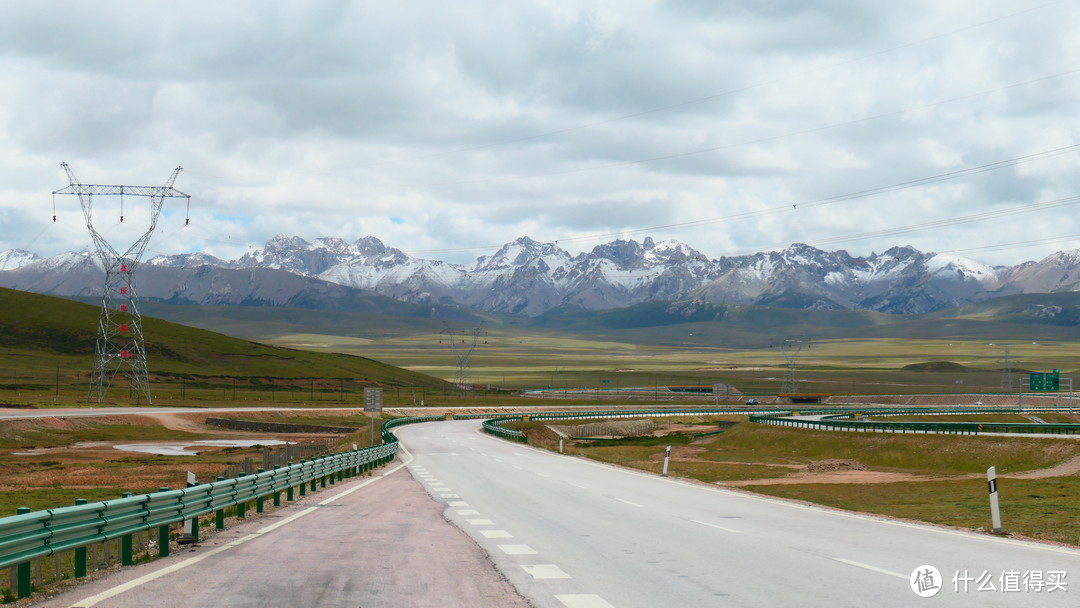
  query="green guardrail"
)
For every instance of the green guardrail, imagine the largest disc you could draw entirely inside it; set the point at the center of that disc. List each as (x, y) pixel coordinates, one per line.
(832, 419)
(494, 425)
(28, 535)
(843, 422)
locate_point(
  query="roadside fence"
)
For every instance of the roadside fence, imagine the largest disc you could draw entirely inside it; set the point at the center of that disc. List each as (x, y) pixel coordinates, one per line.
(65, 542)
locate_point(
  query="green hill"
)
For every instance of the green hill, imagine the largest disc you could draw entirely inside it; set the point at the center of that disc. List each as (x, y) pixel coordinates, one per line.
(41, 333)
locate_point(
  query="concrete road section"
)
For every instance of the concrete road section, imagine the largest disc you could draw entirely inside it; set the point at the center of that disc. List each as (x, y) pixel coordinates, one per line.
(371, 543)
(570, 533)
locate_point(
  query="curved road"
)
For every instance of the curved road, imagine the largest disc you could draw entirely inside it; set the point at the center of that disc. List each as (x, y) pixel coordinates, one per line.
(569, 533)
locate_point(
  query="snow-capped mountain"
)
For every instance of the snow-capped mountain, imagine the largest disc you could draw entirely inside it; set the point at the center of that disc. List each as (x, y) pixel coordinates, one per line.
(16, 258)
(530, 278)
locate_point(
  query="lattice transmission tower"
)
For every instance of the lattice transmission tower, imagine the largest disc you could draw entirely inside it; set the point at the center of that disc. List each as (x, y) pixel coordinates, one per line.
(791, 347)
(1007, 382)
(462, 343)
(120, 345)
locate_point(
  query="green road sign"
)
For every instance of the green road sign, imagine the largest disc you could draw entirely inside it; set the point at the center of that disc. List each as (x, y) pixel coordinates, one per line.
(1045, 381)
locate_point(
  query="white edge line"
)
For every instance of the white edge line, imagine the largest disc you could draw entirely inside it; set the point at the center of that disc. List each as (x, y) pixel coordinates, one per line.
(871, 568)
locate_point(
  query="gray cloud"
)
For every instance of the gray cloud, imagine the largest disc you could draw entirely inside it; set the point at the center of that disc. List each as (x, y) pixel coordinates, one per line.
(476, 123)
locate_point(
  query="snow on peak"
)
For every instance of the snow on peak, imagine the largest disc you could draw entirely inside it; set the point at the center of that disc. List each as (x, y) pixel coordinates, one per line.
(16, 258)
(966, 269)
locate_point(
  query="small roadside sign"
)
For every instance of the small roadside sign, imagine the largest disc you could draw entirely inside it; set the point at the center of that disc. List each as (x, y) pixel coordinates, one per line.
(373, 399)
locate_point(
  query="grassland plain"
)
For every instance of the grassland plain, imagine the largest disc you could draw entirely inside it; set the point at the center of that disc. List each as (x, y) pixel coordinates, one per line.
(49, 462)
(936, 479)
(520, 358)
(43, 339)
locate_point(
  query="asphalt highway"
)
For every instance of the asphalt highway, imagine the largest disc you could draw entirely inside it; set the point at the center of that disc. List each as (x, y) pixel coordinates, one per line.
(564, 532)
(570, 533)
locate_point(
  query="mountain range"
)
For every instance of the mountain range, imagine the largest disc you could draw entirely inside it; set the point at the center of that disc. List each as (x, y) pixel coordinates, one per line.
(529, 278)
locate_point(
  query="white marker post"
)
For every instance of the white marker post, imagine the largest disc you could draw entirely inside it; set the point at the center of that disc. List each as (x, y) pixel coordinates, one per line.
(995, 511)
(191, 530)
(667, 458)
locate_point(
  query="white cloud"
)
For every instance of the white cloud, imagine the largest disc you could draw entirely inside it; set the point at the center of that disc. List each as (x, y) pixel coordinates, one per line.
(477, 123)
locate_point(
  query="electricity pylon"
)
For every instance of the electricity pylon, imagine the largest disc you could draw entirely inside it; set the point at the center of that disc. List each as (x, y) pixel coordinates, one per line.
(791, 348)
(120, 343)
(462, 344)
(1007, 371)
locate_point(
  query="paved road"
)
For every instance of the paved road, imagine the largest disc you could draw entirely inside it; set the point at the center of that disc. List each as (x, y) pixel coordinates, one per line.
(571, 533)
(568, 533)
(380, 542)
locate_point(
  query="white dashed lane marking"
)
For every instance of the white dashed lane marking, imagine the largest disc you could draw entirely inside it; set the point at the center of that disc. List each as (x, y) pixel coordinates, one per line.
(705, 523)
(545, 571)
(496, 534)
(517, 549)
(871, 568)
(583, 600)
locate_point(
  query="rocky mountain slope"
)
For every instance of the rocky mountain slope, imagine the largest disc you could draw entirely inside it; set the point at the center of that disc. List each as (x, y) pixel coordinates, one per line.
(530, 278)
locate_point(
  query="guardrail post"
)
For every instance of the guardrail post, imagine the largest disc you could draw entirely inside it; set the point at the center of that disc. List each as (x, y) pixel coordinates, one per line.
(127, 557)
(25, 588)
(259, 498)
(277, 493)
(163, 535)
(219, 515)
(80, 553)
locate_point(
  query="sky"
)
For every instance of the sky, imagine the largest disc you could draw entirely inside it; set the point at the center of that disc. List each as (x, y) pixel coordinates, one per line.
(447, 129)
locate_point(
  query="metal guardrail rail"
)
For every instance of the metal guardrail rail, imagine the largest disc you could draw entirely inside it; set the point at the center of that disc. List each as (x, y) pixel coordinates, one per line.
(493, 425)
(843, 422)
(30, 535)
(831, 419)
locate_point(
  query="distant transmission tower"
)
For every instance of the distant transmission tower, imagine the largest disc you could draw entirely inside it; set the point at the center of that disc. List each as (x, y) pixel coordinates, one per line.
(1006, 371)
(120, 344)
(462, 344)
(791, 372)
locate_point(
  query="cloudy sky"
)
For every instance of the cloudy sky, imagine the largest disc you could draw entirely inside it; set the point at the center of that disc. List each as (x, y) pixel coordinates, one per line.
(449, 128)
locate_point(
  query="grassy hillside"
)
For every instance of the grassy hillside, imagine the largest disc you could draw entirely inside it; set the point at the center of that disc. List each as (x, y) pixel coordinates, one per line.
(44, 333)
(682, 343)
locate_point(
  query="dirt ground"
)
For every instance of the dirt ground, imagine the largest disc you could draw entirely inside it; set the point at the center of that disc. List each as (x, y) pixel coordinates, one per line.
(78, 466)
